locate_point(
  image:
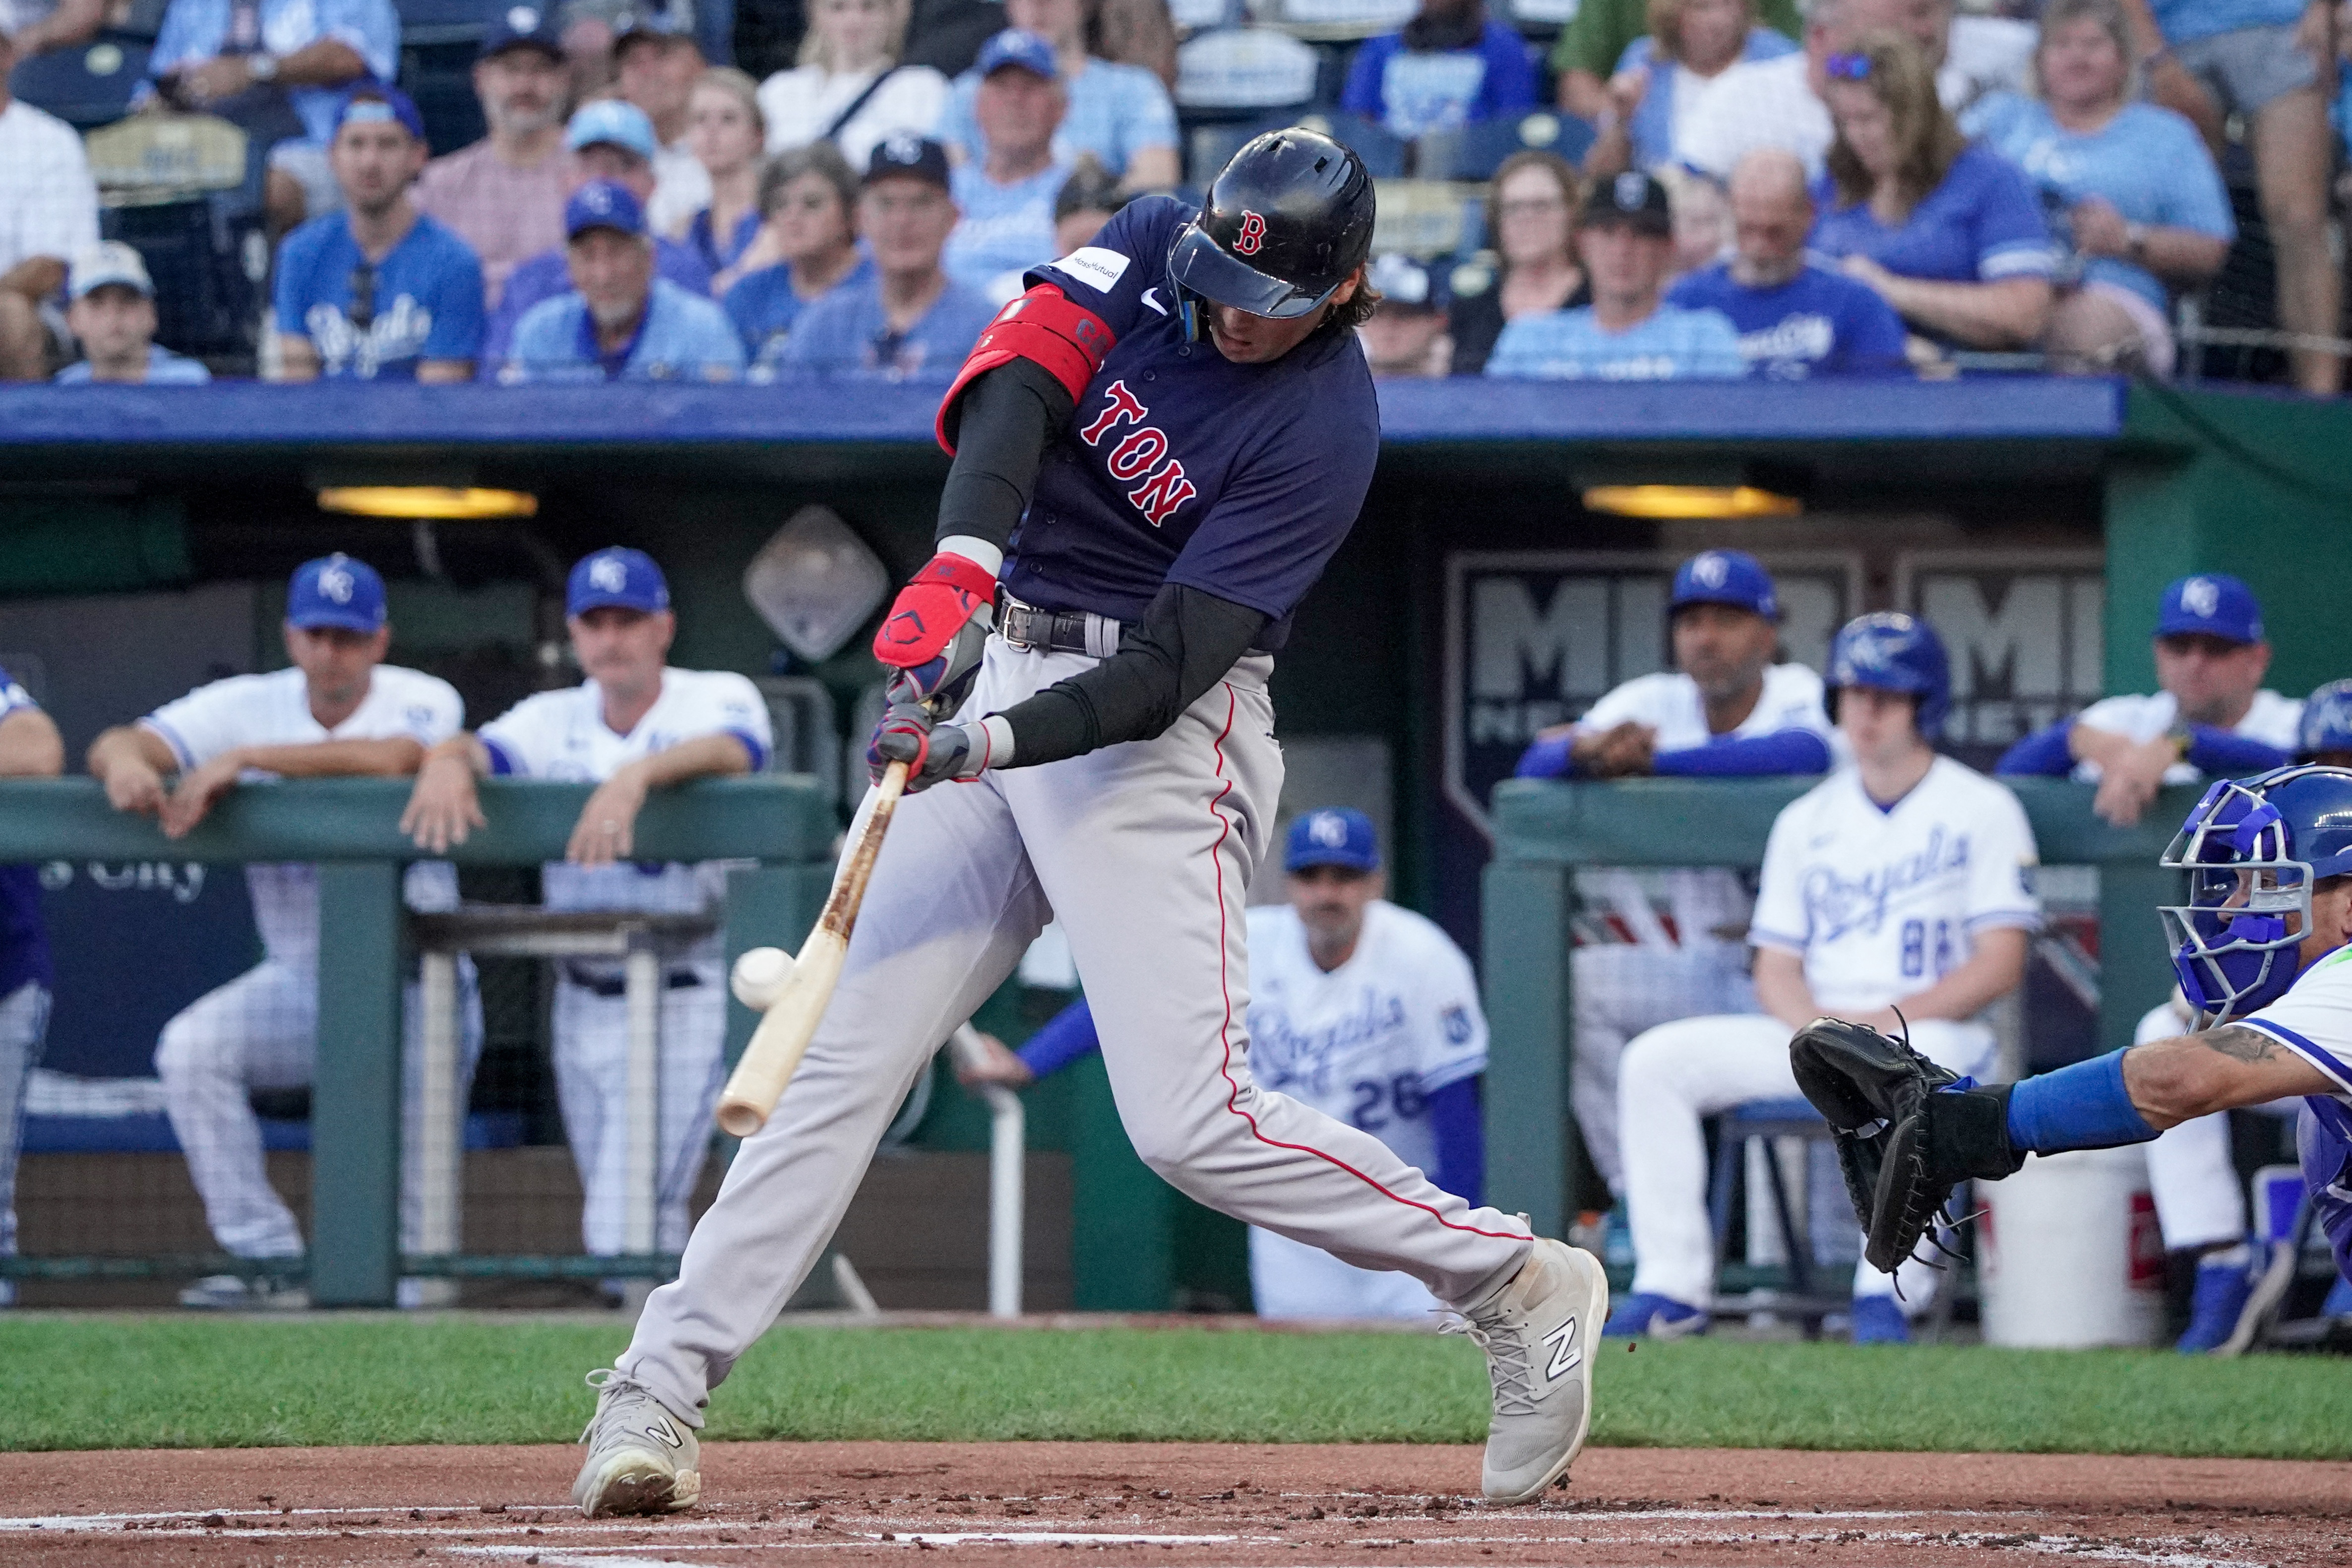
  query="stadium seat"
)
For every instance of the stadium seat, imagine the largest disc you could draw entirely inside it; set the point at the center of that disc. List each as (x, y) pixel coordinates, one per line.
(87, 86)
(1807, 1299)
(182, 190)
(1475, 152)
(438, 40)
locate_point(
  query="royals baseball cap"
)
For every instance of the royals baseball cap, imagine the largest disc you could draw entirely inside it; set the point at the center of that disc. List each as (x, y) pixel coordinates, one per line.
(111, 262)
(1336, 835)
(521, 27)
(1725, 577)
(634, 27)
(625, 578)
(608, 120)
(1408, 282)
(2213, 604)
(909, 157)
(1018, 46)
(373, 103)
(335, 590)
(602, 204)
(1631, 197)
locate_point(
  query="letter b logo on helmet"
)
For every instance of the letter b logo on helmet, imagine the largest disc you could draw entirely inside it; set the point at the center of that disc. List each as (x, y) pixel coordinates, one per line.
(1252, 237)
(1286, 221)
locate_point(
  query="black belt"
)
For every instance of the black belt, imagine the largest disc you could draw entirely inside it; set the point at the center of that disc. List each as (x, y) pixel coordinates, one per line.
(616, 986)
(1058, 631)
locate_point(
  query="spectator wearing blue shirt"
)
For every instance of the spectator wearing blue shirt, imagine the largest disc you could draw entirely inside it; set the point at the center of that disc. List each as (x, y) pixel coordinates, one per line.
(727, 131)
(2136, 193)
(276, 69)
(1947, 232)
(1118, 114)
(2266, 62)
(377, 292)
(1449, 67)
(1628, 333)
(909, 322)
(612, 141)
(1690, 43)
(29, 748)
(112, 312)
(620, 322)
(1794, 319)
(809, 199)
(1006, 193)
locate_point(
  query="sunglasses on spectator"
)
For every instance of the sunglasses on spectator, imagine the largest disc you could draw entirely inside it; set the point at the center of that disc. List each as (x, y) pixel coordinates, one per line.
(1847, 67)
(362, 311)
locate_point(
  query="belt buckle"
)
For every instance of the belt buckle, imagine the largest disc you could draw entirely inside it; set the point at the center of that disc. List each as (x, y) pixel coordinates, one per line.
(1027, 616)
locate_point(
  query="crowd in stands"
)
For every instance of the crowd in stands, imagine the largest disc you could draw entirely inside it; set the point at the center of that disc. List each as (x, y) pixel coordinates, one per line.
(1850, 187)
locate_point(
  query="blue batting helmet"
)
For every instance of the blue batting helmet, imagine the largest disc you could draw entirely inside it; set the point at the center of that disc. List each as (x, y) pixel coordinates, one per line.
(2327, 722)
(2253, 849)
(1887, 650)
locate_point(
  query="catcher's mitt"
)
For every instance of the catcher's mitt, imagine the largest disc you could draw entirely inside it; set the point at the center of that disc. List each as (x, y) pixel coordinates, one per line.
(1906, 1130)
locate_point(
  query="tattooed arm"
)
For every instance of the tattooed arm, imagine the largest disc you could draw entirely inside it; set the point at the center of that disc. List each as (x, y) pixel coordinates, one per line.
(2171, 1081)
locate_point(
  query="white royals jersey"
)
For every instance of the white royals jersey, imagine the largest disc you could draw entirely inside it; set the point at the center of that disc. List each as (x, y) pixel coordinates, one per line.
(561, 735)
(1704, 902)
(2313, 1019)
(274, 709)
(1883, 902)
(2272, 720)
(1369, 1041)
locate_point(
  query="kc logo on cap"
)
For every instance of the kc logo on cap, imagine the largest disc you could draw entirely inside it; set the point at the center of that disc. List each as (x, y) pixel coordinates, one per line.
(335, 581)
(2200, 595)
(903, 148)
(1710, 569)
(1631, 189)
(1330, 829)
(523, 19)
(608, 574)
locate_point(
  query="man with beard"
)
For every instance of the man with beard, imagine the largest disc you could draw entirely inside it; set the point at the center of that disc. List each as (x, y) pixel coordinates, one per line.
(620, 322)
(504, 195)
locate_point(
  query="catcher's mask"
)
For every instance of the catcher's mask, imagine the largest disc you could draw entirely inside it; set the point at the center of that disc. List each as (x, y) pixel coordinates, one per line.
(2254, 850)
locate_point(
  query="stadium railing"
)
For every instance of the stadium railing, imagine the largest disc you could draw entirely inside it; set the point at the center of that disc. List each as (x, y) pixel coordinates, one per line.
(783, 829)
(1545, 830)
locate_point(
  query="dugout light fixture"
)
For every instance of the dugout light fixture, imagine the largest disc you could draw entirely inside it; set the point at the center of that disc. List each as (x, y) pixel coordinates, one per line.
(1684, 501)
(427, 502)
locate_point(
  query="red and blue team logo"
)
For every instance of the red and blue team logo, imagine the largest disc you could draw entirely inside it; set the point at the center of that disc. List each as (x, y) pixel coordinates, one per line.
(1252, 239)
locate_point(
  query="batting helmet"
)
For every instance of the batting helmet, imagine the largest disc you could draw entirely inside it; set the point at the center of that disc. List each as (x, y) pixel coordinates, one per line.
(2327, 722)
(1285, 224)
(1887, 650)
(2253, 849)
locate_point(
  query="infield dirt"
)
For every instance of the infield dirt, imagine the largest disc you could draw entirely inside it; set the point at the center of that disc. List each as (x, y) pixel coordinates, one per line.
(1021, 1504)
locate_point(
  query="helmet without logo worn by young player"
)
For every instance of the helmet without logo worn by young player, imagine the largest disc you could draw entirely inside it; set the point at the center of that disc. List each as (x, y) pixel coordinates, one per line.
(1287, 222)
(1887, 650)
(2254, 850)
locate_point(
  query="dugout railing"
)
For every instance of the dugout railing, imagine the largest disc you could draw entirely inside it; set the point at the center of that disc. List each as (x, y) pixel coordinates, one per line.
(781, 826)
(1546, 831)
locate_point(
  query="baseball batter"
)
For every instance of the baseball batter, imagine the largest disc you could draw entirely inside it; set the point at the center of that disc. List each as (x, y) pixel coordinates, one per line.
(632, 726)
(1156, 449)
(339, 710)
(1899, 879)
(1725, 710)
(29, 748)
(1365, 1012)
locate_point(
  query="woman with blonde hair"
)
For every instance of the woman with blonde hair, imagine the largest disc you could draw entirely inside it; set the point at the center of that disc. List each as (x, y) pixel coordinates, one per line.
(725, 129)
(1531, 224)
(1945, 230)
(849, 87)
(1658, 77)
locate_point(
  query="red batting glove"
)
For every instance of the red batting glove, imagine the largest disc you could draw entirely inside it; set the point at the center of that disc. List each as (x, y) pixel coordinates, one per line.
(936, 629)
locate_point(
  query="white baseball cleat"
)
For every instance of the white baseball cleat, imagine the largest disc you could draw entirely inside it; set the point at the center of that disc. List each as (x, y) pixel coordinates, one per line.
(1538, 1333)
(641, 1458)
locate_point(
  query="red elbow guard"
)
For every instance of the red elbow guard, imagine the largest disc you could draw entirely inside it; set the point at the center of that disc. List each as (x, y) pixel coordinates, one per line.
(1043, 326)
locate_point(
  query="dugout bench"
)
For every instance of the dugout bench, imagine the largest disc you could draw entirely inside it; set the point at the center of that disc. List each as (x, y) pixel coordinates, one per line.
(782, 823)
(1545, 830)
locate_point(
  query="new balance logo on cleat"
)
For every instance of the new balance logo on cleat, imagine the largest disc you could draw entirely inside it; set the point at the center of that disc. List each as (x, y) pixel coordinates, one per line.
(1567, 1356)
(663, 1431)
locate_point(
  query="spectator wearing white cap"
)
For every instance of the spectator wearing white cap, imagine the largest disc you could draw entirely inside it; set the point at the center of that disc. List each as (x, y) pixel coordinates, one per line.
(1120, 114)
(608, 140)
(504, 195)
(377, 290)
(112, 315)
(620, 322)
(850, 86)
(48, 214)
(1006, 193)
(1406, 335)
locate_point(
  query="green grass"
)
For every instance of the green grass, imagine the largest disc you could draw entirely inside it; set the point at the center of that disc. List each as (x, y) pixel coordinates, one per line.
(176, 1382)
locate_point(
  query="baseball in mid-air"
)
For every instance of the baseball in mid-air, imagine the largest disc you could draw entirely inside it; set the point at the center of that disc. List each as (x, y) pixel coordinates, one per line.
(759, 975)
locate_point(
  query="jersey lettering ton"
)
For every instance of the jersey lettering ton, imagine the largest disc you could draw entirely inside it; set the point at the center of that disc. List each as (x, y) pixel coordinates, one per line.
(1180, 467)
(1369, 1041)
(561, 735)
(1881, 902)
(274, 709)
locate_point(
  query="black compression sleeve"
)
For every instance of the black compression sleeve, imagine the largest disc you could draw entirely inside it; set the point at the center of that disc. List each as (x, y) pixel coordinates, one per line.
(1007, 419)
(1184, 645)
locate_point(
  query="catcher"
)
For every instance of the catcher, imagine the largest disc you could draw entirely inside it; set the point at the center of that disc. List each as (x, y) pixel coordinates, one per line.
(2261, 949)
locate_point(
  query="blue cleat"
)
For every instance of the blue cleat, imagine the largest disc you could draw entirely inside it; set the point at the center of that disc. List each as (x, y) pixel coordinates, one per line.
(2339, 1300)
(1879, 1320)
(1658, 1316)
(2237, 1291)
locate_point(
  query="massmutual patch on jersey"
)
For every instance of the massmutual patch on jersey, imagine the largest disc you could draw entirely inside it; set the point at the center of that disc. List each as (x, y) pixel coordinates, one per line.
(1093, 265)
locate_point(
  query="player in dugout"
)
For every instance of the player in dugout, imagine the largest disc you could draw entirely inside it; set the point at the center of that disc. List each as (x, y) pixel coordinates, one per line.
(1364, 1010)
(1178, 419)
(1727, 708)
(339, 710)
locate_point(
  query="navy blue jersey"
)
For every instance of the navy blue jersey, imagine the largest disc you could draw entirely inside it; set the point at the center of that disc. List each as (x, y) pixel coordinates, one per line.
(1180, 467)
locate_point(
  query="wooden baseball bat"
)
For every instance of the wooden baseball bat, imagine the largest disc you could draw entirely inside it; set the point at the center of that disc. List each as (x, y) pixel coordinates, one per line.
(791, 1020)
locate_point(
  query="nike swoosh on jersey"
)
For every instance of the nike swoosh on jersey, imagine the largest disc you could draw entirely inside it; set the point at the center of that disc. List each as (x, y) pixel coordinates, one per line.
(1152, 302)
